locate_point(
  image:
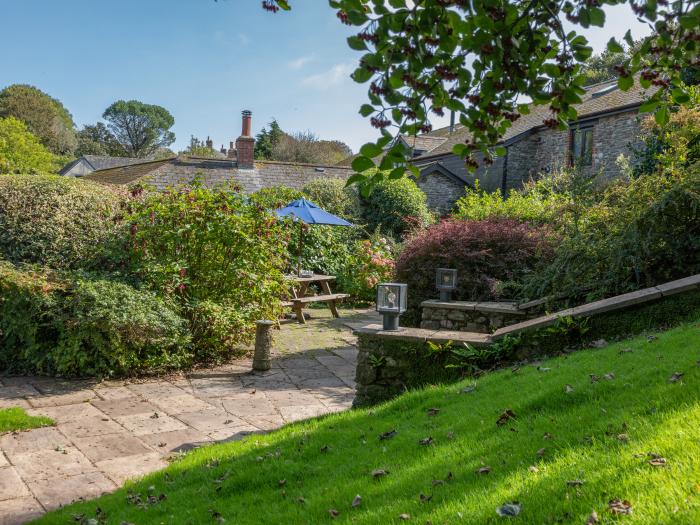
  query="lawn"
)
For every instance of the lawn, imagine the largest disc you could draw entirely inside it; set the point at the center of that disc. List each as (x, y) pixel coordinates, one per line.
(577, 433)
(17, 419)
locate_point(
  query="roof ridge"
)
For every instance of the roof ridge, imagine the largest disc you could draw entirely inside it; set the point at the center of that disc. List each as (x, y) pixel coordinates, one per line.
(135, 164)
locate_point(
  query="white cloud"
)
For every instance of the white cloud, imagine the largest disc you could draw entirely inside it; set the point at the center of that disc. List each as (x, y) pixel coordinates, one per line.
(334, 76)
(300, 62)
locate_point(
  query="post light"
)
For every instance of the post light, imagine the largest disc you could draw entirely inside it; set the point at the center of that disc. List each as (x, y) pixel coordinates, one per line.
(446, 282)
(391, 302)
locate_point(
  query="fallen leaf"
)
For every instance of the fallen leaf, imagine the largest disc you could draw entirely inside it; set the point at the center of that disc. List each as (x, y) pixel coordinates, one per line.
(450, 435)
(509, 509)
(592, 519)
(657, 460)
(594, 378)
(253, 391)
(575, 482)
(282, 482)
(623, 437)
(433, 411)
(162, 444)
(651, 338)
(676, 377)
(547, 435)
(609, 376)
(543, 369)
(505, 416)
(617, 506)
(301, 499)
(378, 473)
(599, 343)
(333, 513)
(155, 415)
(404, 517)
(387, 435)
(568, 389)
(468, 389)
(228, 421)
(437, 482)
(356, 501)
(423, 498)
(626, 351)
(515, 369)
(324, 448)
(483, 470)
(541, 452)
(533, 468)
(450, 477)
(426, 441)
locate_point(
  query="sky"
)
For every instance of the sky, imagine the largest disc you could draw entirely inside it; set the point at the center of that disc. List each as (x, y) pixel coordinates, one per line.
(203, 60)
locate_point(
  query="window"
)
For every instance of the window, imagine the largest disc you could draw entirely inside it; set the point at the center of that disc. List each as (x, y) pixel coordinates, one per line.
(582, 147)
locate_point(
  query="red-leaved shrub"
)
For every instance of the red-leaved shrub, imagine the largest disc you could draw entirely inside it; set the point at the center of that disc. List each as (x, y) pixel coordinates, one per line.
(491, 256)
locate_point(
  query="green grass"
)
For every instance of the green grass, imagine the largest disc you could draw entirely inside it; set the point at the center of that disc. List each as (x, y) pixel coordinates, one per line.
(17, 419)
(326, 462)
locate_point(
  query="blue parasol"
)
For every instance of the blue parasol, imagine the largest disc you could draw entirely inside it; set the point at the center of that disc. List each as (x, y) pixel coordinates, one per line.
(308, 213)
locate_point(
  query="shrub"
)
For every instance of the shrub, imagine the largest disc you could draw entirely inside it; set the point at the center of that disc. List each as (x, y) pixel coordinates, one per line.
(491, 258)
(57, 221)
(21, 152)
(199, 244)
(396, 207)
(369, 262)
(75, 325)
(333, 196)
(275, 197)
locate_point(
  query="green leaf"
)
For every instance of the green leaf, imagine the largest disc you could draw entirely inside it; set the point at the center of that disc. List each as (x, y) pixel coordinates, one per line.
(361, 75)
(648, 106)
(500, 151)
(362, 163)
(661, 115)
(357, 178)
(596, 16)
(615, 47)
(356, 43)
(397, 173)
(366, 110)
(625, 83)
(370, 150)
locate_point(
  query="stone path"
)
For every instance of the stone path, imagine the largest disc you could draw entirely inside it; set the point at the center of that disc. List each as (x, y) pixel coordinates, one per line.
(111, 431)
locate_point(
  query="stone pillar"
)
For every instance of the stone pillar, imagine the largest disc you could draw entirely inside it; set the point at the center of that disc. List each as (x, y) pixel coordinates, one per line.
(263, 345)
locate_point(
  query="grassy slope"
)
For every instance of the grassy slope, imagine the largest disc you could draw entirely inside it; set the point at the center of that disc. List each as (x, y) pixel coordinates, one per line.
(17, 419)
(240, 481)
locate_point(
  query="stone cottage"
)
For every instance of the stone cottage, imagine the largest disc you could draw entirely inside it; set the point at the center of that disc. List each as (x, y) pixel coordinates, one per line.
(89, 163)
(608, 126)
(233, 165)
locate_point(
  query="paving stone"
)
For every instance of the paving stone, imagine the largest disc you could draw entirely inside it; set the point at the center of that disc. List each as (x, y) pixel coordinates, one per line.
(121, 469)
(298, 412)
(140, 424)
(234, 433)
(11, 485)
(110, 446)
(61, 399)
(67, 413)
(90, 426)
(249, 407)
(265, 422)
(125, 407)
(112, 393)
(32, 440)
(321, 383)
(19, 391)
(181, 403)
(155, 390)
(291, 398)
(166, 443)
(214, 386)
(49, 386)
(14, 403)
(74, 488)
(210, 420)
(3, 460)
(20, 510)
(52, 464)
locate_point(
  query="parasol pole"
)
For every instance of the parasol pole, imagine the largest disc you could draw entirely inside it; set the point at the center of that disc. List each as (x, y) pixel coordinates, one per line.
(301, 246)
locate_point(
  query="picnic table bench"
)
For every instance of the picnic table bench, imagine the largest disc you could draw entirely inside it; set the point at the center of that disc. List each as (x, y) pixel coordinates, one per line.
(301, 296)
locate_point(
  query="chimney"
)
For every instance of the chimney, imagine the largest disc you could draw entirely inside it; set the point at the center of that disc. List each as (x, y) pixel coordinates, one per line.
(223, 150)
(452, 121)
(231, 154)
(245, 144)
(210, 143)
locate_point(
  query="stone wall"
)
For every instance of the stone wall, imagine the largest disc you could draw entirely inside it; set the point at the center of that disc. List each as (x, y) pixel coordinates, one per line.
(441, 191)
(469, 317)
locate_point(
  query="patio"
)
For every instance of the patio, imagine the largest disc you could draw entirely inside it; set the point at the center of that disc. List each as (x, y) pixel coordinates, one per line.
(107, 432)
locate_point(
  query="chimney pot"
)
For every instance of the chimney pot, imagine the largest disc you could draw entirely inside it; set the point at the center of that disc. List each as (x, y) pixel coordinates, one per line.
(247, 114)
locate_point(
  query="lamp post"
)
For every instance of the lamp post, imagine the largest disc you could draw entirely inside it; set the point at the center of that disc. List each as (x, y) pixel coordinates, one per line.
(391, 302)
(446, 282)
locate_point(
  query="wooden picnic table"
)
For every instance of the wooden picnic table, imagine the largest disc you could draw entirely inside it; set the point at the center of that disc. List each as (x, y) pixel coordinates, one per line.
(301, 295)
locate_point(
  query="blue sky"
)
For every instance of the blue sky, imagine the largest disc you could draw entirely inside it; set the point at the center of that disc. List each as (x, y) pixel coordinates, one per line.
(204, 61)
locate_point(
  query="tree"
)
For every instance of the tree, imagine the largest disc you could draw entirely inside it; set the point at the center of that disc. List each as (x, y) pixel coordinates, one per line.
(305, 147)
(265, 141)
(96, 139)
(45, 116)
(199, 148)
(140, 128)
(424, 57)
(21, 152)
(600, 68)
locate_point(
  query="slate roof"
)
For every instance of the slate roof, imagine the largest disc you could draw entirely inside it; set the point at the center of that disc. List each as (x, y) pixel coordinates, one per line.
(100, 162)
(214, 172)
(599, 99)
